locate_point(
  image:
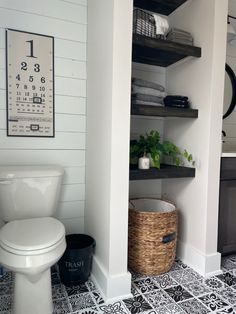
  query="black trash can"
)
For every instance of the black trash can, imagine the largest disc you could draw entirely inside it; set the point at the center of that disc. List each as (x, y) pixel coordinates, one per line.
(76, 263)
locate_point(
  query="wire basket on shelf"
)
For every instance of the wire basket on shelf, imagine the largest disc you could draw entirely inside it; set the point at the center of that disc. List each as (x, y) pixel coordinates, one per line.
(144, 23)
(152, 235)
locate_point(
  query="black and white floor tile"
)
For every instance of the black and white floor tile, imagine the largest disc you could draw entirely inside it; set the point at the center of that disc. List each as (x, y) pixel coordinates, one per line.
(180, 291)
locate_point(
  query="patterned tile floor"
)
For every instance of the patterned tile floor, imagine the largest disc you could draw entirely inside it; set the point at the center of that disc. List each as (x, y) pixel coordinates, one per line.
(179, 291)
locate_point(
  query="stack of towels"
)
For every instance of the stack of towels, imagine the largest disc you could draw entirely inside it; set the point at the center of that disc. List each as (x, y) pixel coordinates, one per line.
(176, 101)
(180, 36)
(147, 93)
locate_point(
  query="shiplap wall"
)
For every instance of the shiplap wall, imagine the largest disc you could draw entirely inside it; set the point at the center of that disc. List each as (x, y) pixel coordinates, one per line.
(141, 125)
(66, 20)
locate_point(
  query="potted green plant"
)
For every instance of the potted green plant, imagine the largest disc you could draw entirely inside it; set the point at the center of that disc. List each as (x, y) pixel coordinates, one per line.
(151, 145)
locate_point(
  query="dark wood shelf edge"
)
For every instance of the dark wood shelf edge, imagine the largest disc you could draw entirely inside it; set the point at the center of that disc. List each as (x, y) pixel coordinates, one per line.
(165, 7)
(166, 45)
(159, 111)
(166, 172)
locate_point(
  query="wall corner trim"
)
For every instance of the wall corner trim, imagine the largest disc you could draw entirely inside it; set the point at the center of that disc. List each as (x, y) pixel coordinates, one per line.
(205, 264)
(112, 287)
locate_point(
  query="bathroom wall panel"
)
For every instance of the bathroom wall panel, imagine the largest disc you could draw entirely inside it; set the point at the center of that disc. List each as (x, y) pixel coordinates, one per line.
(74, 209)
(63, 85)
(70, 104)
(231, 119)
(78, 2)
(65, 158)
(73, 225)
(142, 125)
(230, 130)
(70, 68)
(64, 48)
(69, 49)
(43, 25)
(2, 57)
(141, 188)
(62, 140)
(63, 67)
(70, 86)
(54, 8)
(63, 122)
(74, 175)
(73, 192)
(63, 104)
(66, 21)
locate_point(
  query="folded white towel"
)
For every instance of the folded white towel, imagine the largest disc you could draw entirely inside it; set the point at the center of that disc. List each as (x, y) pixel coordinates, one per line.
(162, 25)
(147, 91)
(144, 83)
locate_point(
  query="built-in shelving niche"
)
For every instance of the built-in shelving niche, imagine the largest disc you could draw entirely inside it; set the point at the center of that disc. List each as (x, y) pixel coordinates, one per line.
(162, 53)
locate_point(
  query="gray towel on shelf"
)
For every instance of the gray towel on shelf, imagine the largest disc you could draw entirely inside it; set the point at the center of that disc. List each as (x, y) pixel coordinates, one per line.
(180, 36)
(144, 83)
(181, 41)
(146, 103)
(175, 30)
(147, 91)
(148, 98)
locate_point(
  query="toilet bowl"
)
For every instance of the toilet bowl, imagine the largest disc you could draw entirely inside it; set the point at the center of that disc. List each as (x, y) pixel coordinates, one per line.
(29, 247)
(31, 241)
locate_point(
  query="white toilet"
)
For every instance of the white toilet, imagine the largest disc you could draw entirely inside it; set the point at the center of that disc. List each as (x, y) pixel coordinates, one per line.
(31, 241)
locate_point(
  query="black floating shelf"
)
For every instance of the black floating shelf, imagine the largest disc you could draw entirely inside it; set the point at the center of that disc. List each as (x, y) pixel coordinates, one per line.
(165, 7)
(159, 111)
(160, 52)
(165, 172)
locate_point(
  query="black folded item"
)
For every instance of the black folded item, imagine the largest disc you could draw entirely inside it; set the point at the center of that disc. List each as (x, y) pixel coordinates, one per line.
(177, 101)
(177, 104)
(176, 97)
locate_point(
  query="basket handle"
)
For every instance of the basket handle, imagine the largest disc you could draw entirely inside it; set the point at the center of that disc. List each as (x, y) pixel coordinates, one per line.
(169, 237)
(132, 204)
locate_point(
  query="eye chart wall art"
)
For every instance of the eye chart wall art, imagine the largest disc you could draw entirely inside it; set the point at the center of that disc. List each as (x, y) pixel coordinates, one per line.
(30, 84)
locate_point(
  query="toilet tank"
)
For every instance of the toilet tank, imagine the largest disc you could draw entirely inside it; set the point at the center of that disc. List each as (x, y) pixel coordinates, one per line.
(29, 191)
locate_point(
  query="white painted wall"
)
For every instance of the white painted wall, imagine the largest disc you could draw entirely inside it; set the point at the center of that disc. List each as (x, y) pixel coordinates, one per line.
(67, 22)
(107, 148)
(229, 124)
(203, 81)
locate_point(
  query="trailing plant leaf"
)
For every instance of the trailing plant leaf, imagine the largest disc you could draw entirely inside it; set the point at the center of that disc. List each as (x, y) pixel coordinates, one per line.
(150, 144)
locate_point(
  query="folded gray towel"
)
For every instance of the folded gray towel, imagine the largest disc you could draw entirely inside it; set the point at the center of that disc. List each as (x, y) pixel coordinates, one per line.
(181, 41)
(147, 91)
(144, 83)
(179, 31)
(148, 98)
(180, 36)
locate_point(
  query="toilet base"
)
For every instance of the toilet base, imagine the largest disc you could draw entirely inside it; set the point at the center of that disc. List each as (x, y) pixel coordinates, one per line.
(33, 293)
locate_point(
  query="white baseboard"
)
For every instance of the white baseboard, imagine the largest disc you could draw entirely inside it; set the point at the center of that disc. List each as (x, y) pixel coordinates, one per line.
(205, 264)
(112, 287)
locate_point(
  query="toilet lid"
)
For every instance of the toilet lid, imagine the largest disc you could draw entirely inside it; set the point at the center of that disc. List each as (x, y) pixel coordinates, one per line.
(32, 234)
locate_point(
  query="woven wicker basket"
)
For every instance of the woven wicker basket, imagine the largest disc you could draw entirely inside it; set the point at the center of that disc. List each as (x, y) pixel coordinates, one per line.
(152, 235)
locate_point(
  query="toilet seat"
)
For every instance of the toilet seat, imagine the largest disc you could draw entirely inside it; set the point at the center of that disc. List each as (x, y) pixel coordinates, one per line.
(31, 236)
